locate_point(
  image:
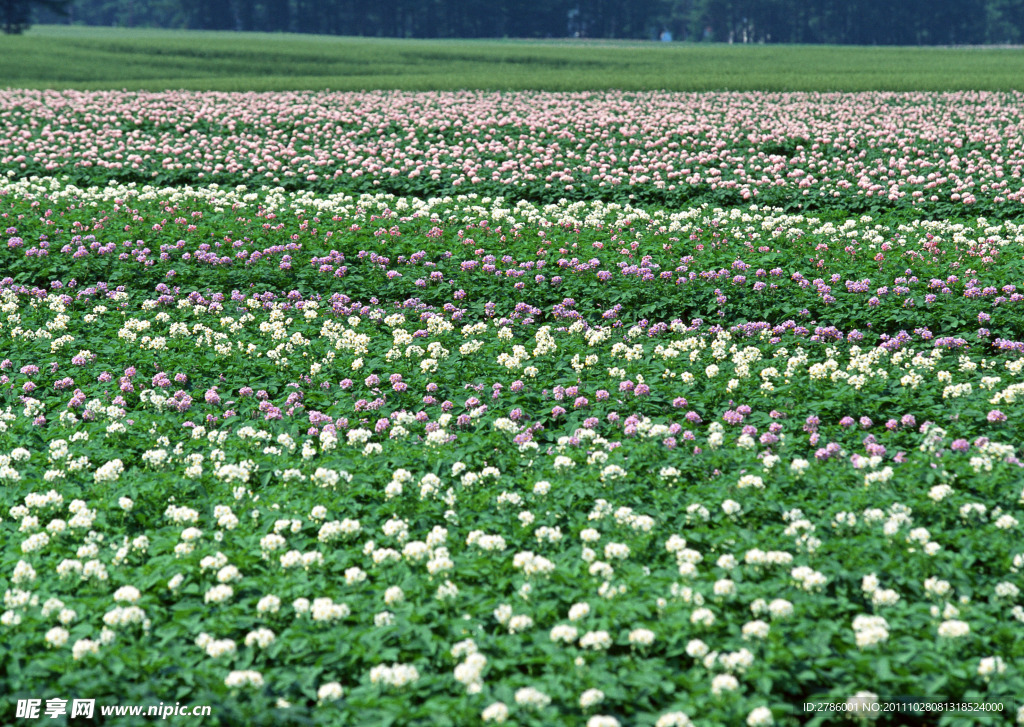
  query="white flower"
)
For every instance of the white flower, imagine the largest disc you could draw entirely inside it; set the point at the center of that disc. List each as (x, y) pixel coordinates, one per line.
(991, 665)
(602, 720)
(218, 594)
(760, 717)
(1005, 589)
(470, 671)
(216, 648)
(57, 637)
(954, 629)
(616, 551)
(731, 507)
(384, 618)
(127, 594)
(84, 647)
(702, 616)
(674, 719)
(578, 611)
(724, 683)
(240, 679)
(354, 575)
(532, 698)
(519, 623)
(393, 595)
(799, 466)
(736, 661)
(1006, 522)
(870, 631)
(591, 698)
(261, 637)
(110, 472)
(23, 573)
(596, 640)
(564, 632)
(696, 649)
(396, 675)
(863, 706)
(228, 574)
(755, 630)
(885, 597)
(496, 712)
(641, 637)
(329, 692)
(724, 588)
(750, 481)
(780, 608)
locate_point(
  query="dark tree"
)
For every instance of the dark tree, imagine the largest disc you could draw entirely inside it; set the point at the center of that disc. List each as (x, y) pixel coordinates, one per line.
(17, 14)
(846, 22)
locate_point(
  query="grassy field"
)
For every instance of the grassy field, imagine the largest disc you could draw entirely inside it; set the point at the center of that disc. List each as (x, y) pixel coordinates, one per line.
(101, 58)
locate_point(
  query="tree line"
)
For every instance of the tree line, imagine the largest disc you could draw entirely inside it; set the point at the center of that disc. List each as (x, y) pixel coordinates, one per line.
(846, 22)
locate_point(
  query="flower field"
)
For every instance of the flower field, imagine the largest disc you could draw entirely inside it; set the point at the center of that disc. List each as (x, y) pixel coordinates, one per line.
(515, 445)
(930, 152)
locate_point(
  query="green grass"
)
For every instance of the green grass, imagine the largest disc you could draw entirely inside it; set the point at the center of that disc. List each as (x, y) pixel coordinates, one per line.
(106, 58)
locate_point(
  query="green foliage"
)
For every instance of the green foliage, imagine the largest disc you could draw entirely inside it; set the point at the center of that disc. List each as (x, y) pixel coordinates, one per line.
(268, 451)
(98, 58)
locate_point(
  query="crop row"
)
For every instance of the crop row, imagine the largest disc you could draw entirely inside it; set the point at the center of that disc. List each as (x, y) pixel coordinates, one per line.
(327, 485)
(859, 278)
(934, 153)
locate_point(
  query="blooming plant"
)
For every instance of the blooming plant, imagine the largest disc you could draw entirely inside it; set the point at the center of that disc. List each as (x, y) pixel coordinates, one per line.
(364, 458)
(939, 153)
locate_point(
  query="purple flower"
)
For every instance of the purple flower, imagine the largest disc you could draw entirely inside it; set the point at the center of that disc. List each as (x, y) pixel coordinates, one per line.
(732, 417)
